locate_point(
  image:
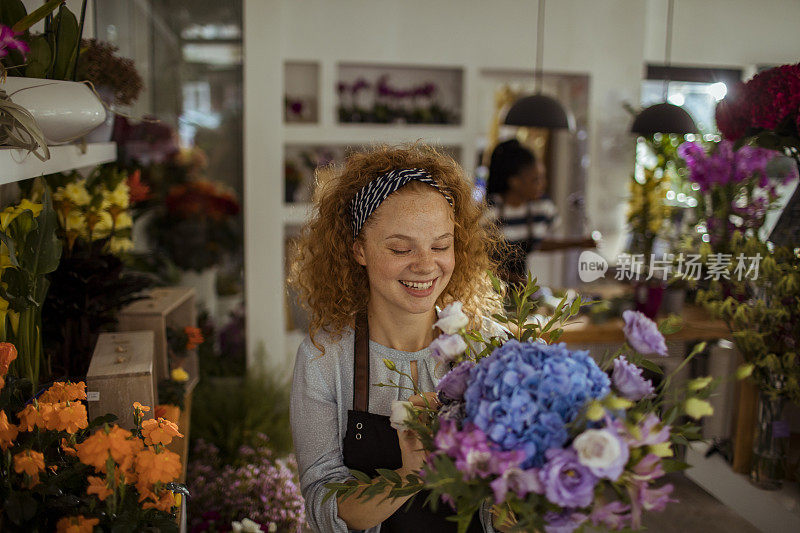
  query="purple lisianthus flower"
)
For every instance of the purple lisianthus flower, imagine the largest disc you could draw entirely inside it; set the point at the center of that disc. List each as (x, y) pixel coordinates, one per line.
(642, 334)
(454, 383)
(566, 481)
(566, 521)
(519, 481)
(446, 348)
(648, 500)
(628, 380)
(650, 432)
(614, 516)
(445, 439)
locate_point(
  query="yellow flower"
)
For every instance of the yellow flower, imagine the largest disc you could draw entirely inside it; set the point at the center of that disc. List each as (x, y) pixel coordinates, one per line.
(744, 371)
(118, 245)
(124, 221)
(179, 374)
(615, 403)
(8, 432)
(663, 449)
(697, 408)
(76, 193)
(120, 196)
(99, 487)
(76, 524)
(700, 383)
(75, 221)
(595, 411)
(159, 431)
(102, 224)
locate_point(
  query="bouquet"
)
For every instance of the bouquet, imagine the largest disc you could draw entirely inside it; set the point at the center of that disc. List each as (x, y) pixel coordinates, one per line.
(541, 432)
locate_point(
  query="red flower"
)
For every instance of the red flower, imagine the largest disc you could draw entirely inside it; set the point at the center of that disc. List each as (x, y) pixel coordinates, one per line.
(774, 95)
(138, 191)
(733, 114)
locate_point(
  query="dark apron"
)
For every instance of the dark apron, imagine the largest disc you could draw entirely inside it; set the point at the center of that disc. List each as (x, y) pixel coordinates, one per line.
(370, 442)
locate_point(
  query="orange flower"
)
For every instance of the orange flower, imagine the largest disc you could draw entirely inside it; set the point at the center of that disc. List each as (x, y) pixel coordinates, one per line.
(138, 191)
(71, 417)
(64, 392)
(29, 462)
(8, 352)
(98, 486)
(2, 382)
(137, 405)
(194, 337)
(69, 450)
(116, 441)
(76, 524)
(8, 432)
(164, 503)
(153, 467)
(159, 431)
(34, 415)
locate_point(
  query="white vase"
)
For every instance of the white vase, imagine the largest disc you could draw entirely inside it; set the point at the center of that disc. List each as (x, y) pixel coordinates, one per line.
(64, 110)
(104, 131)
(205, 286)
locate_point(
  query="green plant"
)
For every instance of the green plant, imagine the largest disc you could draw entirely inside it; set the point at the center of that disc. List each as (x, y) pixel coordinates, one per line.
(54, 53)
(232, 412)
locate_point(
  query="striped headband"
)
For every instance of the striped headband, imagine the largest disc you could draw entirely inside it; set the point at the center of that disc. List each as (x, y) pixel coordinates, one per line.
(372, 195)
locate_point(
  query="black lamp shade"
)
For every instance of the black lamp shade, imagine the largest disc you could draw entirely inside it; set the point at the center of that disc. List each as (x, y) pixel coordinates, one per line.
(537, 111)
(663, 118)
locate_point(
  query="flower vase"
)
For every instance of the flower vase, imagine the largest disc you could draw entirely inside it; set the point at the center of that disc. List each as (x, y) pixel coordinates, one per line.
(104, 131)
(769, 445)
(205, 286)
(647, 297)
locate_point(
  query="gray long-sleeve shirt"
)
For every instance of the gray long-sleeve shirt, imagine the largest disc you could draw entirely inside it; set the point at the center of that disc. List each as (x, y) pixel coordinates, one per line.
(322, 393)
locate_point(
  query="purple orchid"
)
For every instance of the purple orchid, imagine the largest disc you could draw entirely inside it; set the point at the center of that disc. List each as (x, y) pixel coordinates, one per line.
(9, 41)
(614, 516)
(649, 468)
(628, 380)
(646, 499)
(642, 334)
(566, 481)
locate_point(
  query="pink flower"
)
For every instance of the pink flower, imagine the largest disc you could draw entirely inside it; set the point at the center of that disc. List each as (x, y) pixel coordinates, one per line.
(8, 41)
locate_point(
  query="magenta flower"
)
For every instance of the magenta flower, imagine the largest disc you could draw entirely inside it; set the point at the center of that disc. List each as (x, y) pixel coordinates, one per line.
(642, 334)
(628, 380)
(8, 41)
(566, 481)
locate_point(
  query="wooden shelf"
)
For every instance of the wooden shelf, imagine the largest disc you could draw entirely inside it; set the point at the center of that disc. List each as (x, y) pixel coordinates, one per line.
(20, 165)
(773, 511)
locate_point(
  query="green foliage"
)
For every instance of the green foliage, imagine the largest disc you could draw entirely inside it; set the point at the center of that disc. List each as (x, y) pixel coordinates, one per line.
(231, 412)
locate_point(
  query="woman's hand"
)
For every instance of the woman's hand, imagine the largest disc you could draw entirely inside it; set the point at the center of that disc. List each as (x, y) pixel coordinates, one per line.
(426, 400)
(411, 451)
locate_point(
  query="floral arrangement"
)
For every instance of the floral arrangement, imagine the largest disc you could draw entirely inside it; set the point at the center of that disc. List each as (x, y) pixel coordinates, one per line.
(414, 105)
(172, 394)
(540, 431)
(99, 64)
(29, 251)
(257, 493)
(732, 189)
(65, 473)
(198, 224)
(647, 210)
(764, 111)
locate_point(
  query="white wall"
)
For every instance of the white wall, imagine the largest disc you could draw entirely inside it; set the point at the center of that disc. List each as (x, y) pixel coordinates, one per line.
(610, 40)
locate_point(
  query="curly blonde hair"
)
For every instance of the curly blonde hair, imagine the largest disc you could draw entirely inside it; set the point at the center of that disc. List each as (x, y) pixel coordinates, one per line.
(324, 272)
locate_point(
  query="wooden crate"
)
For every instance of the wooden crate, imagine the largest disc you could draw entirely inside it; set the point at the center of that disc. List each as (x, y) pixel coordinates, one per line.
(165, 307)
(180, 445)
(120, 373)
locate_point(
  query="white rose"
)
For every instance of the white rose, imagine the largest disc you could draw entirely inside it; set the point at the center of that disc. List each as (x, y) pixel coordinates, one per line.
(597, 448)
(273, 527)
(399, 414)
(452, 319)
(246, 526)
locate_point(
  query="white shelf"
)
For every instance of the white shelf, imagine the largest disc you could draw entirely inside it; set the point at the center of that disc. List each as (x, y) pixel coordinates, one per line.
(770, 511)
(17, 165)
(356, 134)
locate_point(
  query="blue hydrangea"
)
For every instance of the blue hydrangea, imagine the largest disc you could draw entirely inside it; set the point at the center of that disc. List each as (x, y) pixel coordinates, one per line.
(524, 394)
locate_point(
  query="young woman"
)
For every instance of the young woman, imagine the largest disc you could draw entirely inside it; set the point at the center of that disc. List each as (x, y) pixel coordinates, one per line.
(515, 192)
(395, 235)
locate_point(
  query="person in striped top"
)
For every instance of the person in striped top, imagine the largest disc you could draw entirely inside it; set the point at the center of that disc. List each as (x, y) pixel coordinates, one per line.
(517, 204)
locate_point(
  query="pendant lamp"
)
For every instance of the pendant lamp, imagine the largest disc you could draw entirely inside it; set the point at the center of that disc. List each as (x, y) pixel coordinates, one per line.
(538, 110)
(664, 117)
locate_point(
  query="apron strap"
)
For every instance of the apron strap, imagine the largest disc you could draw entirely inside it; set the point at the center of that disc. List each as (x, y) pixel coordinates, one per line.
(361, 364)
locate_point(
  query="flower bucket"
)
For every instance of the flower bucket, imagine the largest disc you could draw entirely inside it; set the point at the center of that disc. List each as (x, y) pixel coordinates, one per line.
(64, 110)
